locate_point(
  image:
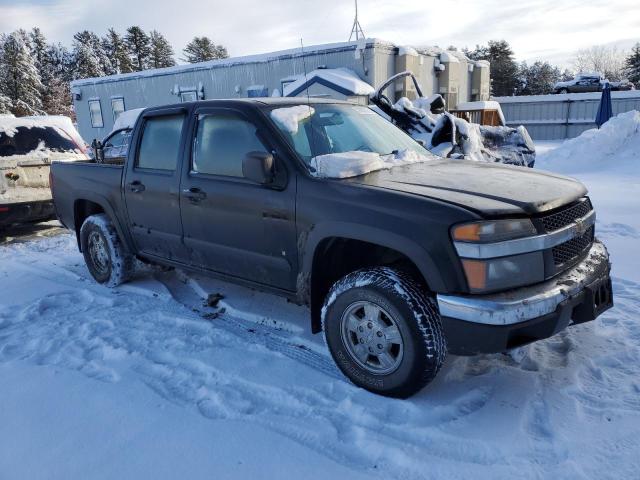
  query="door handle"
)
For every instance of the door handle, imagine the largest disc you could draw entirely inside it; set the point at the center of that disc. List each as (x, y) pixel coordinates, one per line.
(194, 194)
(136, 186)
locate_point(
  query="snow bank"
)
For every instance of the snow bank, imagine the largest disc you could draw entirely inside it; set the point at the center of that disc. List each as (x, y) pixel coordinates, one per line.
(352, 164)
(341, 77)
(615, 146)
(127, 119)
(289, 117)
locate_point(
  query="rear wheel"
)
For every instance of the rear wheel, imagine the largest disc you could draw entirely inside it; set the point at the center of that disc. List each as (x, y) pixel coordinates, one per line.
(107, 258)
(563, 90)
(384, 332)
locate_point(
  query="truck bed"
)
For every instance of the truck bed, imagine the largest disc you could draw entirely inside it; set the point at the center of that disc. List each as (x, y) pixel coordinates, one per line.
(88, 180)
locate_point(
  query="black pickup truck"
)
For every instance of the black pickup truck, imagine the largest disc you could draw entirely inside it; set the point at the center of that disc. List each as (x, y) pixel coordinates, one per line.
(401, 256)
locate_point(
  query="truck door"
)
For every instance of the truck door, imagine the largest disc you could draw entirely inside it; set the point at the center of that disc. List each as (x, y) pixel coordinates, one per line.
(232, 225)
(152, 185)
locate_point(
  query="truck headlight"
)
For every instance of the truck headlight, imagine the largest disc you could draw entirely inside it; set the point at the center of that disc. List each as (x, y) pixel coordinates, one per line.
(493, 231)
(504, 272)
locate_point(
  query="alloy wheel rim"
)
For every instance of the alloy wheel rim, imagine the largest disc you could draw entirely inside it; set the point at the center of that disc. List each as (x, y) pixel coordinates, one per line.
(372, 337)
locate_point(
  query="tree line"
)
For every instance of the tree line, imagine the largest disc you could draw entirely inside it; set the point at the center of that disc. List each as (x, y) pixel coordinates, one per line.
(35, 73)
(511, 78)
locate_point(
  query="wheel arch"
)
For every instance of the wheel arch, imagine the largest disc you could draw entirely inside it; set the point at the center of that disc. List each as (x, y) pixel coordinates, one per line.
(332, 251)
(89, 203)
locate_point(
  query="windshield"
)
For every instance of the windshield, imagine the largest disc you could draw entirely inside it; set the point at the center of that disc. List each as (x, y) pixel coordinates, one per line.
(324, 129)
(26, 140)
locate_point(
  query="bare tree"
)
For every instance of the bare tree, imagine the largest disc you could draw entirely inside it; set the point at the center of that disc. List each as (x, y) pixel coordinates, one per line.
(603, 59)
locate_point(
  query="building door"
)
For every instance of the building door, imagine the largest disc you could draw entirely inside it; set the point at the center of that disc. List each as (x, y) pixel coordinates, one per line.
(151, 187)
(231, 224)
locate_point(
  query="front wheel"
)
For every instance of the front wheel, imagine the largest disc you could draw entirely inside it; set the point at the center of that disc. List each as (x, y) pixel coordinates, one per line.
(383, 331)
(107, 258)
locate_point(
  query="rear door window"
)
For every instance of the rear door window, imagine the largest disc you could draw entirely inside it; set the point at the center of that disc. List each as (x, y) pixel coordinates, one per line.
(160, 143)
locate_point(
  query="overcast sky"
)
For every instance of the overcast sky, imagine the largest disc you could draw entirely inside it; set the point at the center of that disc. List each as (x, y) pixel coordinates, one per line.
(549, 29)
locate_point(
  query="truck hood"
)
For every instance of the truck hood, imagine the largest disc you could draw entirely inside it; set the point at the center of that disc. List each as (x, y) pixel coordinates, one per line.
(567, 83)
(490, 189)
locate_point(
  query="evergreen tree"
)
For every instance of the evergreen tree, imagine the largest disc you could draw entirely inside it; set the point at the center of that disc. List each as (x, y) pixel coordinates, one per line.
(202, 49)
(5, 104)
(504, 69)
(38, 46)
(139, 47)
(632, 65)
(90, 58)
(161, 51)
(116, 49)
(19, 77)
(537, 79)
(56, 75)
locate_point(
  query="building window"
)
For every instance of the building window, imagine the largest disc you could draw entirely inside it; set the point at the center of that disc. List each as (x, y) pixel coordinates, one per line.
(283, 84)
(95, 112)
(257, 91)
(117, 107)
(190, 96)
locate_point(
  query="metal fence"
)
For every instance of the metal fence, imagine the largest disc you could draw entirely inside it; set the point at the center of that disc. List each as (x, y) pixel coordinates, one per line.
(556, 117)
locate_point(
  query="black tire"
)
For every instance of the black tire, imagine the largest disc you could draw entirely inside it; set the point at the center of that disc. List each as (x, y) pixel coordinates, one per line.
(107, 258)
(404, 303)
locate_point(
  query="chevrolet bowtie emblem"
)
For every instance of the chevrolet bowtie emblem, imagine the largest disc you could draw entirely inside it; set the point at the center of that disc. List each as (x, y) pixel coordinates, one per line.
(581, 227)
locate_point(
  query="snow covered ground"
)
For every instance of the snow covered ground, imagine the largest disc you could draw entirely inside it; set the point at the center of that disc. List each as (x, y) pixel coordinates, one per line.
(144, 382)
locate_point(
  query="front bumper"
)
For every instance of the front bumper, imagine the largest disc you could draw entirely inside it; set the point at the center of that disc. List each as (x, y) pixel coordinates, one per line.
(502, 321)
(24, 212)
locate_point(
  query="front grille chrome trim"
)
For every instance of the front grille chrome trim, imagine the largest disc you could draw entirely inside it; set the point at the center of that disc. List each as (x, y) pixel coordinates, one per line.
(528, 244)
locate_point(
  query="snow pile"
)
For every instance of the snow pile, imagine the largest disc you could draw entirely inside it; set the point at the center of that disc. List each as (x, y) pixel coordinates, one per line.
(449, 136)
(615, 146)
(340, 77)
(127, 119)
(289, 117)
(353, 164)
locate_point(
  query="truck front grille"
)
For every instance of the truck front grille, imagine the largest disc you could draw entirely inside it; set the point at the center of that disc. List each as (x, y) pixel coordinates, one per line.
(557, 220)
(568, 252)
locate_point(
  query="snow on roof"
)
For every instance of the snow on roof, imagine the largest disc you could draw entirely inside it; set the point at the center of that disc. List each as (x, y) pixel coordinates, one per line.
(343, 78)
(433, 51)
(482, 63)
(227, 62)
(407, 50)
(127, 119)
(482, 105)
(448, 57)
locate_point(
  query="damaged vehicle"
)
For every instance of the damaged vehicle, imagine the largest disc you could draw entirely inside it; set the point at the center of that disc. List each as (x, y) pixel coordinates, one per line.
(400, 255)
(446, 135)
(28, 145)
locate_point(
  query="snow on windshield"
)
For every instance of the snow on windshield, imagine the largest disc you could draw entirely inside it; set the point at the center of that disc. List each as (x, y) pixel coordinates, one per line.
(353, 164)
(289, 117)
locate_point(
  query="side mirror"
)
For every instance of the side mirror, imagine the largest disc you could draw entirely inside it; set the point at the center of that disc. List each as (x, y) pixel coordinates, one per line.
(421, 142)
(258, 167)
(98, 150)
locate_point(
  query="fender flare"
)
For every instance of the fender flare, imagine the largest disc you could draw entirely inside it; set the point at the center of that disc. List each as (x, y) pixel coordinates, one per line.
(102, 201)
(384, 238)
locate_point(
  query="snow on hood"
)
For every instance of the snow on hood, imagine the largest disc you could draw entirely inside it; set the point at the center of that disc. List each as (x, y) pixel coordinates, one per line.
(613, 147)
(127, 119)
(355, 163)
(289, 117)
(341, 77)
